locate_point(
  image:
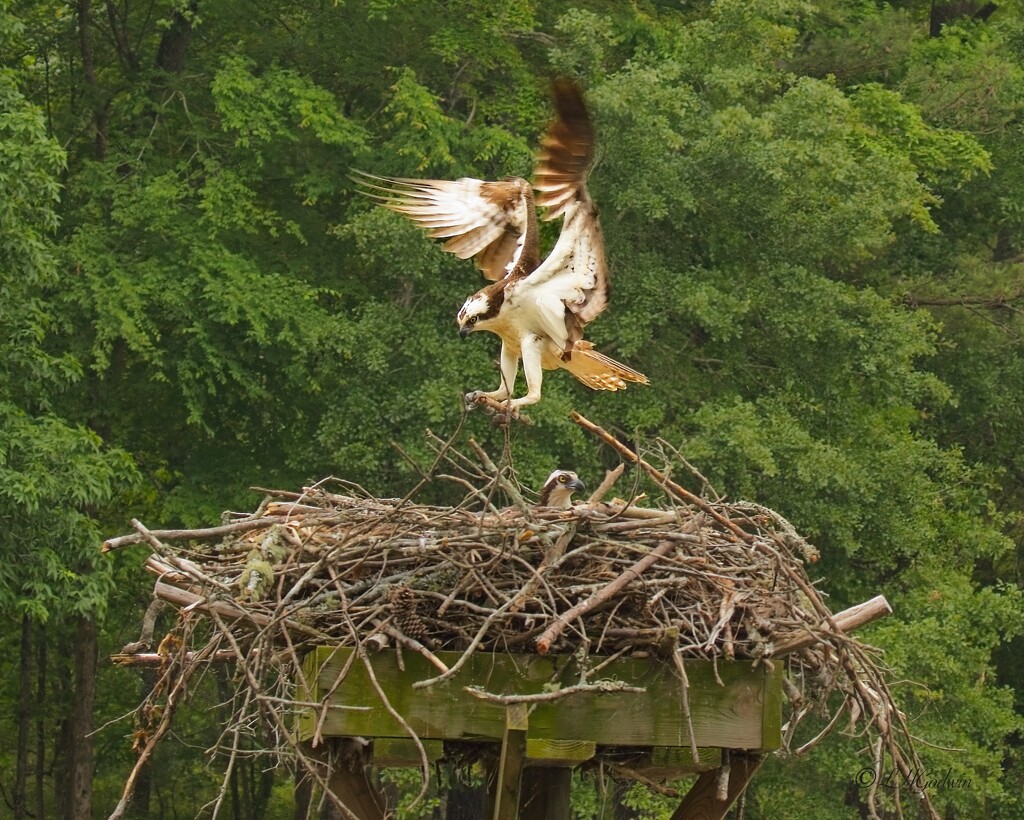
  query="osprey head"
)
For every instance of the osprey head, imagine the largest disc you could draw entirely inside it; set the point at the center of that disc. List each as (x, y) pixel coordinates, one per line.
(477, 308)
(558, 489)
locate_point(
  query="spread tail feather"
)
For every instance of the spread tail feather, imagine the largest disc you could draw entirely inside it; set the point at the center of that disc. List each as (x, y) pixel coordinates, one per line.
(600, 372)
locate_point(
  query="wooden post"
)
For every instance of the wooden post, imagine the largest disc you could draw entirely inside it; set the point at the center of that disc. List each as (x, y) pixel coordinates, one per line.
(735, 705)
(344, 766)
(352, 787)
(303, 795)
(505, 779)
(702, 800)
(546, 793)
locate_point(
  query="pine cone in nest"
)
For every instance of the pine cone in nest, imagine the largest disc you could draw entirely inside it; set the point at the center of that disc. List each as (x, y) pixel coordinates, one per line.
(406, 620)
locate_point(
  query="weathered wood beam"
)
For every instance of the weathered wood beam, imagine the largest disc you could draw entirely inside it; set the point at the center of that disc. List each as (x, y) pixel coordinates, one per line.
(673, 762)
(702, 801)
(341, 762)
(847, 620)
(731, 714)
(505, 780)
(402, 752)
(546, 793)
(156, 659)
(544, 752)
(353, 788)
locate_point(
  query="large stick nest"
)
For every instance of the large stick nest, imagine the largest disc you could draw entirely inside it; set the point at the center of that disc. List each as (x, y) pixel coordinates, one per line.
(690, 578)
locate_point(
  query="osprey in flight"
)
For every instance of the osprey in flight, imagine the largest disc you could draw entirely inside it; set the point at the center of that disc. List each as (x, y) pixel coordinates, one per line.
(539, 309)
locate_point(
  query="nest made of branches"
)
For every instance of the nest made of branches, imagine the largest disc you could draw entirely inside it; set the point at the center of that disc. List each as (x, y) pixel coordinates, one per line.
(693, 577)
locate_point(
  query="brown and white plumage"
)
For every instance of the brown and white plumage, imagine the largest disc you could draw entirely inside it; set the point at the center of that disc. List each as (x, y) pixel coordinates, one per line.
(558, 489)
(539, 309)
(486, 220)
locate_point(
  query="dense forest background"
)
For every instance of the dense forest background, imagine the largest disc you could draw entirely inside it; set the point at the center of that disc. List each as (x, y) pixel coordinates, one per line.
(814, 214)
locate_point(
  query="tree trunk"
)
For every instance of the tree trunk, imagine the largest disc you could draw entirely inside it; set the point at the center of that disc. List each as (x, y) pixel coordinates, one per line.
(20, 796)
(93, 96)
(303, 795)
(170, 55)
(144, 784)
(265, 787)
(948, 11)
(41, 737)
(77, 798)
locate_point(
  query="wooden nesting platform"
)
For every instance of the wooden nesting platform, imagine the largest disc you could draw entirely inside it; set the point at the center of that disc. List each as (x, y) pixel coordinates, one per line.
(733, 710)
(656, 641)
(733, 705)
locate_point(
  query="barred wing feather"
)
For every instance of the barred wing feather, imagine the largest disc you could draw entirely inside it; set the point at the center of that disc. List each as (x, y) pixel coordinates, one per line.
(485, 220)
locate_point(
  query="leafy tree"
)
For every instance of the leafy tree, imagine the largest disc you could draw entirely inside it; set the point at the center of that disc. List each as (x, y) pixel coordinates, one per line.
(53, 473)
(813, 223)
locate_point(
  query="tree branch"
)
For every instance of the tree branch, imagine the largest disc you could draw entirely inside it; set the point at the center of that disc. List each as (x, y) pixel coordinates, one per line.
(993, 302)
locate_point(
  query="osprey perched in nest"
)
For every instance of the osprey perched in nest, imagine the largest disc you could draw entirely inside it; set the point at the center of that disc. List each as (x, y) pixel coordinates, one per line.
(558, 489)
(539, 309)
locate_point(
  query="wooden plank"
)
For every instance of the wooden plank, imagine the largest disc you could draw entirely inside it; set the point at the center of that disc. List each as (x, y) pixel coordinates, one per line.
(771, 713)
(546, 793)
(671, 762)
(503, 788)
(701, 801)
(544, 752)
(728, 715)
(402, 752)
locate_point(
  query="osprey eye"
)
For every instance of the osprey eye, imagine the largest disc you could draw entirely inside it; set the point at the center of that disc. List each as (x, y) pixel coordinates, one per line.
(471, 320)
(562, 479)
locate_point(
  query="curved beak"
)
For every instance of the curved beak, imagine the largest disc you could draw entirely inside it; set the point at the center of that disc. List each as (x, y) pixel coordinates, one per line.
(576, 485)
(464, 331)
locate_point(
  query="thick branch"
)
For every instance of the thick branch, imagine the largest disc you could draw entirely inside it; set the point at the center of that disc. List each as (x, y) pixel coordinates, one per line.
(159, 659)
(184, 535)
(677, 490)
(145, 640)
(605, 593)
(989, 302)
(500, 410)
(605, 486)
(182, 598)
(546, 697)
(846, 621)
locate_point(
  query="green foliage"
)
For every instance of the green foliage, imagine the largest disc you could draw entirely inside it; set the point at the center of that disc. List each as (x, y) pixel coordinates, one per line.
(29, 164)
(813, 217)
(51, 472)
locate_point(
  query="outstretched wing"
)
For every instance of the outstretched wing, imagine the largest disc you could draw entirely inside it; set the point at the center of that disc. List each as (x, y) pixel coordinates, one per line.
(571, 286)
(566, 152)
(490, 221)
